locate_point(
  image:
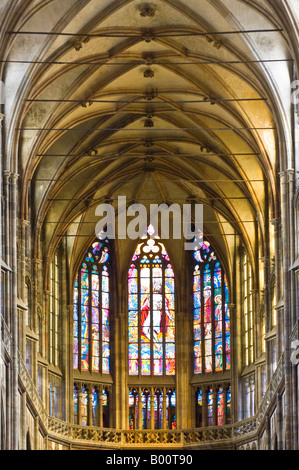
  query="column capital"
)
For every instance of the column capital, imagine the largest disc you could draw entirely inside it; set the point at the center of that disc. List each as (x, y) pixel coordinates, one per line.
(288, 174)
(14, 178)
(78, 386)
(6, 174)
(275, 222)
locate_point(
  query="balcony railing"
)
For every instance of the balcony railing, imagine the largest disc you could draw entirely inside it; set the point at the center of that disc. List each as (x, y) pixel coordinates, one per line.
(112, 438)
(6, 339)
(31, 391)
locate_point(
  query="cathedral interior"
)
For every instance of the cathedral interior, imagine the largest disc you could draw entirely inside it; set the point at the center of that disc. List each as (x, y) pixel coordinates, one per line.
(121, 343)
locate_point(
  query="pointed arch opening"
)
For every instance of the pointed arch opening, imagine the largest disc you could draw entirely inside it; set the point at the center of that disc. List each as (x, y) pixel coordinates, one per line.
(151, 311)
(91, 338)
(211, 313)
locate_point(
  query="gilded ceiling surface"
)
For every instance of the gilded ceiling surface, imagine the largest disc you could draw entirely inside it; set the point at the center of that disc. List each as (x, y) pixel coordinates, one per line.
(156, 101)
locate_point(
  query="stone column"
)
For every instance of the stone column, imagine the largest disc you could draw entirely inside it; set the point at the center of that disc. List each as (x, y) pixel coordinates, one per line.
(286, 182)
(278, 287)
(164, 397)
(24, 225)
(36, 432)
(100, 406)
(215, 405)
(46, 318)
(79, 386)
(139, 408)
(236, 357)
(109, 405)
(67, 348)
(252, 396)
(184, 348)
(135, 409)
(121, 372)
(89, 401)
(23, 421)
(225, 387)
(6, 217)
(279, 421)
(65, 335)
(14, 313)
(204, 407)
(268, 432)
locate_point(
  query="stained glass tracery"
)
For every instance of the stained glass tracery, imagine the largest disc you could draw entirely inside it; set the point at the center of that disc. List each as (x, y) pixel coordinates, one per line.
(211, 315)
(91, 336)
(151, 311)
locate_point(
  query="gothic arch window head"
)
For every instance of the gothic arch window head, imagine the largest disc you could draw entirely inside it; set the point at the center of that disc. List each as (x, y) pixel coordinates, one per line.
(211, 315)
(91, 339)
(151, 310)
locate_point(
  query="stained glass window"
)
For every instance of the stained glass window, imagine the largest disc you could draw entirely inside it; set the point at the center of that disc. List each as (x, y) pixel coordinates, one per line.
(171, 409)
(84, 406)
(151, 311)
(211, 315)
(133, 409)
(210, 407)
(199, 404)
(158, 407)
(142, 402)
(94, 407)
(76, 403)
(91, 337)
(105, 405)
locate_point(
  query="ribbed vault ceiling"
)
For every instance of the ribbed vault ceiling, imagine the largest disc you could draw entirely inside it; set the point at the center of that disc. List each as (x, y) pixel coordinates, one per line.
(80, 101)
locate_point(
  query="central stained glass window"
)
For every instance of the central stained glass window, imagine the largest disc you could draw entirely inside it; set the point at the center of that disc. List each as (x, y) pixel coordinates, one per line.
(151, 310)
